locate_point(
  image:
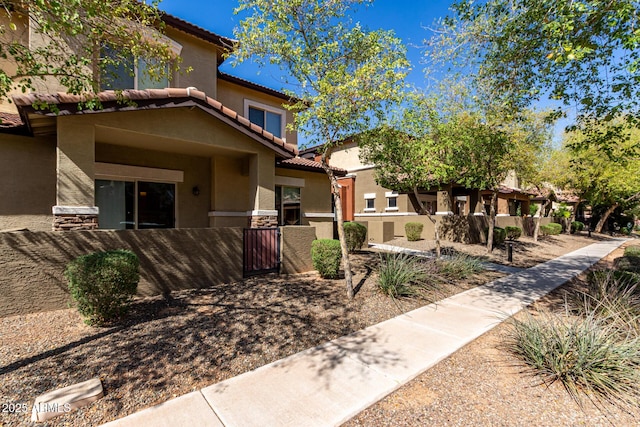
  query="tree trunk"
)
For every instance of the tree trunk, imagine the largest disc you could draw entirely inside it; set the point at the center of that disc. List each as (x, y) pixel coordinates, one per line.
(348, 278)
(492, 220)
(604, 217)
(415, 201)
(538, 219)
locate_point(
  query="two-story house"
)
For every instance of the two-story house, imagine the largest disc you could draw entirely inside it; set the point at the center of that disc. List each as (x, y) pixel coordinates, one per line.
(205, 149)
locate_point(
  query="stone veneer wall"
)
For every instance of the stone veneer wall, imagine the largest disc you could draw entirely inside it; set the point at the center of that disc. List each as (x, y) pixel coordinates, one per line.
(264, 221)
(75, 222)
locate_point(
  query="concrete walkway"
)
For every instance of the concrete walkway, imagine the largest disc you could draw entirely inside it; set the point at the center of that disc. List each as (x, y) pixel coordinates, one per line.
(329, 384)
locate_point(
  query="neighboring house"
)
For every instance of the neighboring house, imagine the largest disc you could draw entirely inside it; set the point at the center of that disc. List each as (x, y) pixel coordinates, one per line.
(366, 201)
(204, 150)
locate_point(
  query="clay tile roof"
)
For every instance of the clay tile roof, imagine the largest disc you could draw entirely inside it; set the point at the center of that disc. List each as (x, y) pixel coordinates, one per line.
(10, 121)
(154, 99)
(306, 164)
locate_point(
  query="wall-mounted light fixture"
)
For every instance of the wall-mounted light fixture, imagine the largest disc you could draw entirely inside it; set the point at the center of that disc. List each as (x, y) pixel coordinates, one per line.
(195, 190)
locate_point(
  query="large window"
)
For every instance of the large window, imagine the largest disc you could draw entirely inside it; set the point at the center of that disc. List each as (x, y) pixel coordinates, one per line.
(288, 205)
(130, 205)
(267, 117)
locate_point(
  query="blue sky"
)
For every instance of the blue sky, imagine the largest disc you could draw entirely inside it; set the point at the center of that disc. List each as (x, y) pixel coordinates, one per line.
(407, 18)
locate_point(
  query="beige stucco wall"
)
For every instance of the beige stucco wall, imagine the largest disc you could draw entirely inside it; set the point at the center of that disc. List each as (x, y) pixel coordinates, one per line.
(32, 264)
(296, 248)
(233, 96)
(201, 56)
(347, 156)
(27, 182)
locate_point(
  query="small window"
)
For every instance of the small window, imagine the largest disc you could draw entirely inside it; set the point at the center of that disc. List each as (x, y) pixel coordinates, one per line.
(392, 200)
(267, 117)
(370, 204)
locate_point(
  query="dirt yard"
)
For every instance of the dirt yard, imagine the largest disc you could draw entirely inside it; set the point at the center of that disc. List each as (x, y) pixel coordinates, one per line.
(169, 347)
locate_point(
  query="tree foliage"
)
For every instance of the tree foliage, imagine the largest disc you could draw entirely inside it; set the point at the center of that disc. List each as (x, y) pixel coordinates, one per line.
(607, 183)
(344, 75)
(69, 41)
(585, 53)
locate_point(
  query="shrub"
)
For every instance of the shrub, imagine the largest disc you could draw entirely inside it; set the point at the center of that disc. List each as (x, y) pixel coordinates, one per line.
(584, 354)
(355, 235)
(459, 266)
(614, 296)
(577, 226)
(625, 230)
(499, 235)
(413, 231)
(400, 274)
(513, 233)
(103, 283)
(632, 251)
(551, 229)
(326, 255)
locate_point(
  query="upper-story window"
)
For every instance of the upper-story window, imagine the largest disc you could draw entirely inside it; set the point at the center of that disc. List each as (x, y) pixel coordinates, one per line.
(119, 76)
(267, 117)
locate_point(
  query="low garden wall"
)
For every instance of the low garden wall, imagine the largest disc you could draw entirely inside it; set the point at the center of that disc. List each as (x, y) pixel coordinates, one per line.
(32, 263)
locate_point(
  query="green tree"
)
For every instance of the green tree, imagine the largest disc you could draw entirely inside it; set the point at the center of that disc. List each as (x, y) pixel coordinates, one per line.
(419, 156)
(69, 40)
(585, 53)
(344, 74)
(607, 183)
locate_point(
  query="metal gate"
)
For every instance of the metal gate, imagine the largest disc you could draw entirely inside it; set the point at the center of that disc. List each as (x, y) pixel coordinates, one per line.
(261, 251)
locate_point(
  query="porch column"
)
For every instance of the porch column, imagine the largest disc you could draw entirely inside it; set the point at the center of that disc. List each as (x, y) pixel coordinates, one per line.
(75, 188)
(476, 206)
(262, 191)
(444, 202)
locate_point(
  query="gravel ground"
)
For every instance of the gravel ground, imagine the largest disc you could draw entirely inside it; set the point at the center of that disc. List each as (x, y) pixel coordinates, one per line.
(167, 348)
(483, 385)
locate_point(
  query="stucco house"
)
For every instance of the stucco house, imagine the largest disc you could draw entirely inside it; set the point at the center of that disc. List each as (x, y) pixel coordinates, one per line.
(205, 149)
(366, 201)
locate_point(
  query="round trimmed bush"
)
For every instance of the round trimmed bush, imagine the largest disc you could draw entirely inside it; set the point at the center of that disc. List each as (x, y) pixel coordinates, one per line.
(103, 284)
(326, 255)
(499, 235)
(413, 231)
(576, 227)
(513, 233)
(355, 235)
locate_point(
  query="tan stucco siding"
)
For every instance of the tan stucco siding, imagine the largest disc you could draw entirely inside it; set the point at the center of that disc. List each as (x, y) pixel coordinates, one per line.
(233, 96)
(191, 210)
(347, 156)
(201, 57)
(315, 196)
(27, 182)
(76, 162)
(366, 184)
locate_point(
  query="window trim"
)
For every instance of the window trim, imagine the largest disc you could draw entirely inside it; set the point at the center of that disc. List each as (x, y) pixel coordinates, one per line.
(367, 197)
(391, 195)
(282, 112)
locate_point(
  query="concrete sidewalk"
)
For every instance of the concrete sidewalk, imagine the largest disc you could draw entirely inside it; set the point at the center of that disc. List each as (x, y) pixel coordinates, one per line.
(329, 384)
